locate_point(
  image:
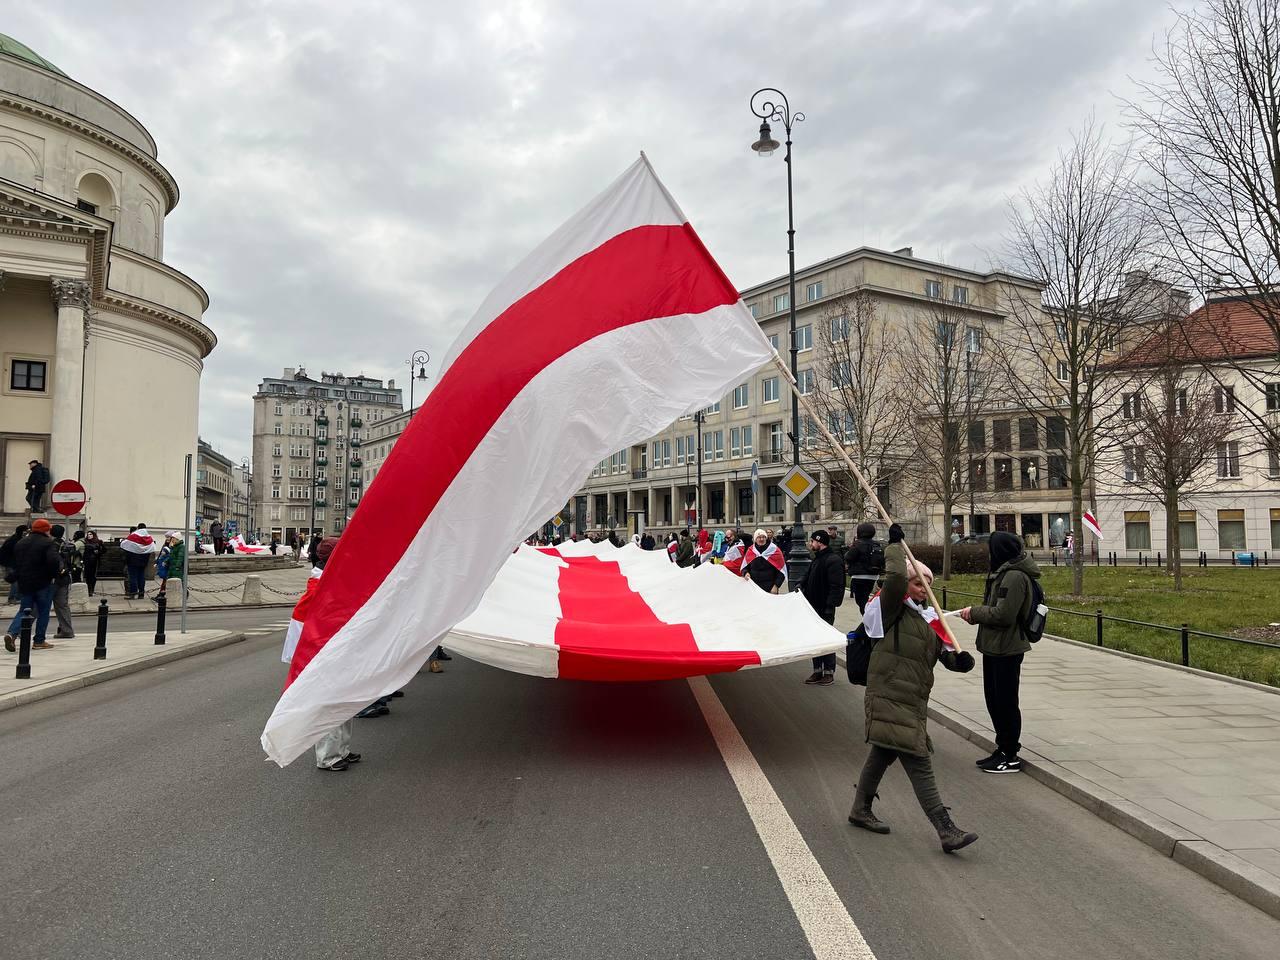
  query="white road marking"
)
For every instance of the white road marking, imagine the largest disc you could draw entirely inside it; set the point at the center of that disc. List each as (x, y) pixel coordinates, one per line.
(831, 932)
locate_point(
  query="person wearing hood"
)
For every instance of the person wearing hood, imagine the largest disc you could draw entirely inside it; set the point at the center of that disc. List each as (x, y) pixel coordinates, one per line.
(1006, 602)
(685, 555)
(93, 548)
(62, 583)
(865, 562)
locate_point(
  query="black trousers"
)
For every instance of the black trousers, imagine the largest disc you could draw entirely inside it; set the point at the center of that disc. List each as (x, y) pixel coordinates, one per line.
(1000, 678)
(826, 662)
(861, 591)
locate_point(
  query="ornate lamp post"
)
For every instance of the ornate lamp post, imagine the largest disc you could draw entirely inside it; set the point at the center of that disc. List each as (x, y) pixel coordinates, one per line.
(417, 371)
(246, 478)
(769, 104)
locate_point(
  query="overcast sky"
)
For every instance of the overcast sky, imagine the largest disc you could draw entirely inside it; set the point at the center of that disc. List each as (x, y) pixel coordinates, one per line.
(355, 177)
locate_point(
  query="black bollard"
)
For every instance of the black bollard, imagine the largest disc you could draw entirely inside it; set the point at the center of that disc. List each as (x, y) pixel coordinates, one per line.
(160, 604)
(944, 596)
(1186, 646)
(24, 646)
(100, 648)
(1098, 627)
(1159, 559)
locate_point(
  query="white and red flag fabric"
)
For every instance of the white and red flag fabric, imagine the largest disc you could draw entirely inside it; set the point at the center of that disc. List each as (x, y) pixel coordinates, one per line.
(299, 615)
(239, 546)
(733, 559)
(593, 611)
(617, 325)
(771, 552)
(139, 541)
(1091, 525)
(873, 620)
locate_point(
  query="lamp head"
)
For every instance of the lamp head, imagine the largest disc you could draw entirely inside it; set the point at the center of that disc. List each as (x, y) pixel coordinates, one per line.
(422, 373)
(766, 144)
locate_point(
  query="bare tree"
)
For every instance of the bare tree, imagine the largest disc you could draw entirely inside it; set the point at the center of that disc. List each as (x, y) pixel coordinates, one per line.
(858, 395)
(950, 379)
(1172, 420)
(1082, 237)
(1210, 127)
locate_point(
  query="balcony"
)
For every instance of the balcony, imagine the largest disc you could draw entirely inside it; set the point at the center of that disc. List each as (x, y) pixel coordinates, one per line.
(354, 484)
(773, 456)
(321, 482)
(355, 443)
(356, 423)
(639, 474)
(353, 503)
(321, 502)
(322, 461)
(357, 462)
(322, 441)
(322, 421)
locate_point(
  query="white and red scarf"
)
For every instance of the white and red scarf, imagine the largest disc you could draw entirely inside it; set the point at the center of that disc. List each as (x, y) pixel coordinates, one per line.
(140, 541)
(873, 620)
(771, 552)
(733, 559)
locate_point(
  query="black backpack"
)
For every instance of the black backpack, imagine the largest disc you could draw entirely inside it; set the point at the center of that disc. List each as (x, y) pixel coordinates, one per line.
(876, 557)
(857, 652)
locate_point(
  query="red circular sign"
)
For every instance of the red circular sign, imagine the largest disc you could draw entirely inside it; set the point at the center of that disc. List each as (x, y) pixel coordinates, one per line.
(68, 497)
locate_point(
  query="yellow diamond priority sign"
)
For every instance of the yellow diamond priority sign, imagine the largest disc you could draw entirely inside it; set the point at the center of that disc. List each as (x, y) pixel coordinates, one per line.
(798, 484)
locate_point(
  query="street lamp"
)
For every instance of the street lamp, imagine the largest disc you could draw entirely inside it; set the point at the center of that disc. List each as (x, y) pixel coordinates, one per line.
(246, 477)
(698, 419)
(769, 104)
(417, 371)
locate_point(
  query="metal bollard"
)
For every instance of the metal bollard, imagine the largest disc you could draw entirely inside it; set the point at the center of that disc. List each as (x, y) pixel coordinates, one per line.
(100, 648)
(160, 605)
(24, 646)
(1186, 647)
(1098, 619)
(944, 596)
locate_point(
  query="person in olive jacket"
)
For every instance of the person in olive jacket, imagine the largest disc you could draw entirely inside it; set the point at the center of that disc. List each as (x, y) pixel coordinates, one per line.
(685, 556)
(823, 586)
(899, 681)
(1006, 603)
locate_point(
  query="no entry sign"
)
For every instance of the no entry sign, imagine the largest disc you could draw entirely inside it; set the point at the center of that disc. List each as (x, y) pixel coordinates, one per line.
(68, 497)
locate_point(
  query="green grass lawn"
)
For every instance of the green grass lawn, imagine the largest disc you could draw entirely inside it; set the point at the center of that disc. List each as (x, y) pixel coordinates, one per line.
(1215, 600)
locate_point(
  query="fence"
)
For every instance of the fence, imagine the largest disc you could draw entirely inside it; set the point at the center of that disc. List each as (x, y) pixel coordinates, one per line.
(1202, 559)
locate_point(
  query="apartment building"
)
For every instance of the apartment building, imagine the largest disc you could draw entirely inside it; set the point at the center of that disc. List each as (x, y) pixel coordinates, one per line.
(215, 486)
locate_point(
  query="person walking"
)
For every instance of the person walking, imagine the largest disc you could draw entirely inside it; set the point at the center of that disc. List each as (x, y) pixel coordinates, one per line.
(37, 562)
(219, 539)
(77, 544)
(1006, 604)
(93, 549)
(62, 584)
(764, 563)
(685, 555)
(823, 586)
(9, 565)
(138, 548)
(865, 562)
(37, 480)
(899, 681)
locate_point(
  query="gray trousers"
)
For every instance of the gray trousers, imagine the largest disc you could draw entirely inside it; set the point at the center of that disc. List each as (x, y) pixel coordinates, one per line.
(62, 608)
(334, 745)
(919, 770)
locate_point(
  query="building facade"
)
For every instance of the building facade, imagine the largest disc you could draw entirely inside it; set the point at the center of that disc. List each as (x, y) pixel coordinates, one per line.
(215, 487)
(309, 437)
(93, 324)
(657, 479)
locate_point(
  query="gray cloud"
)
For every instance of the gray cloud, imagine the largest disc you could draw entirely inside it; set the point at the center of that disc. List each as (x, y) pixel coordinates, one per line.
(354, 179)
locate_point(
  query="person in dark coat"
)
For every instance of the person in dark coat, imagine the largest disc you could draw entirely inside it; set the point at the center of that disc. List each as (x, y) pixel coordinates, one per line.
(899, 681)
(865, 563)
(62, 584)
(93, 548)
(646, 541)
(7, 562)
(823, 587)
(764, 563)
(37, 480)
(37, 561)
(1006, 603)
(685, 555)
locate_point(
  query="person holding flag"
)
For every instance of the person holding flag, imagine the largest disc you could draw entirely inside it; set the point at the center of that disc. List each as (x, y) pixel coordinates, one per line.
(764, 563)
(899, 681)
(735, 548)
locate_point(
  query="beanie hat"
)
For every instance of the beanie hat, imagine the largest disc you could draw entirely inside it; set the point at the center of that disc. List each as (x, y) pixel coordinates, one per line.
(57, 531)
(41, 526)
(759, 533)
(822, 537)
(326, 547)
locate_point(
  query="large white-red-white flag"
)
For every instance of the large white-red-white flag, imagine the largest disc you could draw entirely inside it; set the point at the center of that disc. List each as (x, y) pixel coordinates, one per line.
(619, 323)
(1091, 524)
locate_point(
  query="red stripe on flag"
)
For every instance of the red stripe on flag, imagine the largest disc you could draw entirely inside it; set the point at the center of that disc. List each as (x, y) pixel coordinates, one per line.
(634, 644)
(641, 274)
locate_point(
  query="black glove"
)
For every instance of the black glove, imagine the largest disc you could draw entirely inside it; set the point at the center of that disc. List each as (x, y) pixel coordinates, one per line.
(961, 662)
(895, 534)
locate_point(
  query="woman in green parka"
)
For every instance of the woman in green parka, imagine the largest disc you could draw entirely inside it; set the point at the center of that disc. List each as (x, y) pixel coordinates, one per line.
(899, 680)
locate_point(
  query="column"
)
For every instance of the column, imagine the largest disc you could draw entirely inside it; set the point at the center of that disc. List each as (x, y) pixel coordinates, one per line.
(676, 517)
(71, 298)
(730, 504)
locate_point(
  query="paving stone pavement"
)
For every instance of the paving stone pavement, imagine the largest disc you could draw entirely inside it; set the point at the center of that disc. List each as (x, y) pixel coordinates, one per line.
(1186, 762)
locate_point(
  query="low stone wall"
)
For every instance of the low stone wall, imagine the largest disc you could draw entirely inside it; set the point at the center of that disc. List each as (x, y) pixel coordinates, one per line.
(240, 563)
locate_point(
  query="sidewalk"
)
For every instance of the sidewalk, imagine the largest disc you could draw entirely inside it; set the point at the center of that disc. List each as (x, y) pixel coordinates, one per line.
(1187, 763)
(70, 664)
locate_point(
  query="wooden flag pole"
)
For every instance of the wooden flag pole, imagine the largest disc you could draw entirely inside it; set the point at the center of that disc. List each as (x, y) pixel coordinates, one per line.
(839, 448)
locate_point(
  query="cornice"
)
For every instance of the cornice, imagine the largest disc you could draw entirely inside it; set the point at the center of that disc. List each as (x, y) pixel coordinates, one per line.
(115, 302)
(86, 129)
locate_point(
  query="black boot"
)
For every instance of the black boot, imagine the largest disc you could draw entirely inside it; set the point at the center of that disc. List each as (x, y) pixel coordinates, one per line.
(861, 815)
(952, 837)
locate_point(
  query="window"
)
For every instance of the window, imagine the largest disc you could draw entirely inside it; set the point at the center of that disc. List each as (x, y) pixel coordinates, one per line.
(773, 494)
(275, 450)
(808, 432)
(1231, 530)
(977, 475)
(960, 294)
(1060, 329)
(1058, 479)
(718, 437)
(1028, 433)
(1187, 530)
(1004, 474)
(1275, 529)
(813, 291)
(275, 491)
(1273, 397)
(1224, 399)
(713, 446)
(933, 288)
(1273, 460)
(1064, 371)
(973, 339)
(775, 441)
(747, 447)
(839, 329)
(1228, 460)
(735, 442)
(1137, 530)
(842, 373)
(841, 425)
(679, 451)
(1180, 403)
(946, 334)
(87, 207)
(275, 470)
(741, 396)
(279, 429)
(805, 379)
(1132, 406)
(1134, 464)
(666, 453)
(755, 310)
(977, 436)
(804, 337)
(714, 408)
(279, 409)
(781, 302)
(773, 341)
(1056, 432)
(1001, 435)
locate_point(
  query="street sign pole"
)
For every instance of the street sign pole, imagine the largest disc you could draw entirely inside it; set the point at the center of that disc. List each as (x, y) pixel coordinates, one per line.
(186, 536)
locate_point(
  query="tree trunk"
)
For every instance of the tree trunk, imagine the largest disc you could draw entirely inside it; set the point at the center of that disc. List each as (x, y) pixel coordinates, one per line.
(1077, 530)
(1171, 539)
(947, 507)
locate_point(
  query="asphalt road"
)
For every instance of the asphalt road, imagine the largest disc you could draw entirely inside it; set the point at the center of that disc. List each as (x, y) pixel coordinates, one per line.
(503, 816)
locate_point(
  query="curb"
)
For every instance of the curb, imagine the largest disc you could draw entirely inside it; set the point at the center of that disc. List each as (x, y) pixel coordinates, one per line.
(1233, 874)
(54, 687)
(91, 609)
(1194, 671)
